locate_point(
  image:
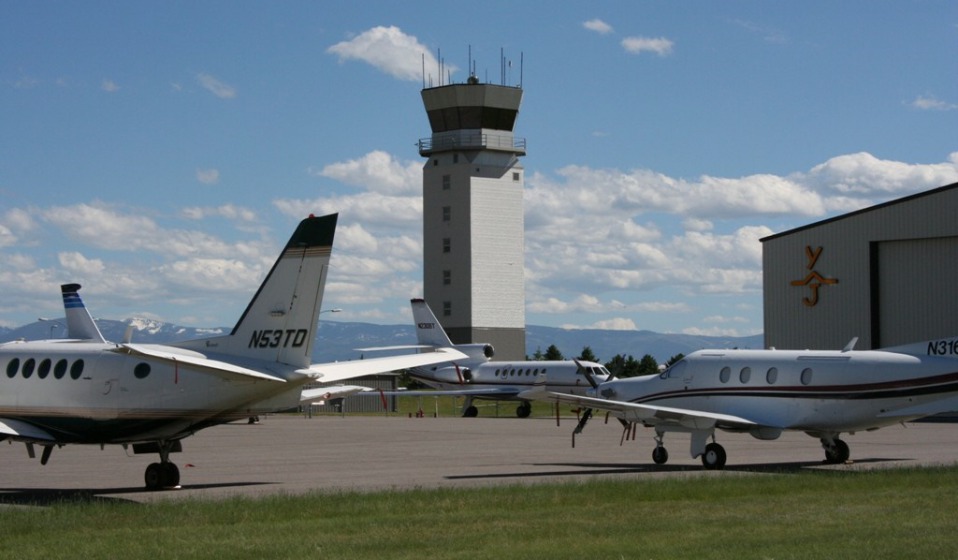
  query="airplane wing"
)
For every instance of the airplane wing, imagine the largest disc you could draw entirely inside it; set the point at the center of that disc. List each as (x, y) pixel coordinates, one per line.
(487, 391)
(341, 371)
(650, 414)
(223, 369)
(23, 430)
(327, 393)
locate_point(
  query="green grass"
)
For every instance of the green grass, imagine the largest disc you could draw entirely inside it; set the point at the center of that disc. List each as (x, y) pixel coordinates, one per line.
(897, 513)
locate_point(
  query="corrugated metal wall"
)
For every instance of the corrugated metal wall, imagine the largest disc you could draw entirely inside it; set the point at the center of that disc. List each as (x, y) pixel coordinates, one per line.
(837, 279)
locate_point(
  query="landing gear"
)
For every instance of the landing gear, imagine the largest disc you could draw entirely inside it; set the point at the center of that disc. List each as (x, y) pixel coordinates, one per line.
(470, 412)
(524, 409)
(163, 474)
(836, 451)
(714, 457)
(660, 455)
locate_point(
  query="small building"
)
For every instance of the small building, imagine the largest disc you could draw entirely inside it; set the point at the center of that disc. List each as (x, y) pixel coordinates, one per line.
(883, 274)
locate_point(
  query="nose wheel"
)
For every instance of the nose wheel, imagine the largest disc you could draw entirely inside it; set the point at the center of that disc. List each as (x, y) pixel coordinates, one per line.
(836, 451)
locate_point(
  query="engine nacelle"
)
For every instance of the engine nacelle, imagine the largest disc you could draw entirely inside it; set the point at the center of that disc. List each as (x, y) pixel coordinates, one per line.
(477, 351)
(453, 374)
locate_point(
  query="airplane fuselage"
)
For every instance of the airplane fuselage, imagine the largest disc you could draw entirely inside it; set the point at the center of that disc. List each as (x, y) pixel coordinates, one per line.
(88, 392)
(561, 376)
(812, 391)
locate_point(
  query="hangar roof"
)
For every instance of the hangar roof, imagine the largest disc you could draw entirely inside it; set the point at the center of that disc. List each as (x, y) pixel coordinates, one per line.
(903, 200)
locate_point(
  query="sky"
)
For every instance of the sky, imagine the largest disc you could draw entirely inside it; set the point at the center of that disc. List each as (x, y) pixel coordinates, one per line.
(161, 153)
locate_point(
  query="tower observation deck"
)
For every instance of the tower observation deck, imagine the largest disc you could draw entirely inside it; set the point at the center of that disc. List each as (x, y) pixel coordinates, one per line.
(473, 225)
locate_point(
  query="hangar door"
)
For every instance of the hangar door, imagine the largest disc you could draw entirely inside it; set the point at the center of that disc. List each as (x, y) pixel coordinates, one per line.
(916, 290)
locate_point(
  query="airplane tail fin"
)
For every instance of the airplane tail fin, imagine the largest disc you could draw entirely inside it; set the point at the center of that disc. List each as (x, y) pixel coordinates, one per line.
(280, 322)
(430, 333)
(428, 330)
(80, 324)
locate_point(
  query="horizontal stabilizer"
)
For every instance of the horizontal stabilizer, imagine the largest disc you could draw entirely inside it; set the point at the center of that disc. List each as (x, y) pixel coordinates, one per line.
(487, 392)
(340, 371)
(327, 393)
(23, 430)
(196, 361)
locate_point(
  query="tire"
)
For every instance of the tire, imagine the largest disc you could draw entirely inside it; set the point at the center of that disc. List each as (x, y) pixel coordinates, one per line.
(470, 412)
(154, 476)
(714, 457)
(660, 456)
(837, 453)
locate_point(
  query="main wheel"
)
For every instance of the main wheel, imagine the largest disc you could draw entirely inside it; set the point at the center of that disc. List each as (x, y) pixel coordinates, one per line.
(837, 452)
(524, 409)
(470, 412)
(660, 455)
(154, 476)
(714, 456)
(171, 475)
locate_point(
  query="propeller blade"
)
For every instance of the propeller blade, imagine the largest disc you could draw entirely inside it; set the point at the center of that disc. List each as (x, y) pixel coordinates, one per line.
(588, 374)
(581, 425)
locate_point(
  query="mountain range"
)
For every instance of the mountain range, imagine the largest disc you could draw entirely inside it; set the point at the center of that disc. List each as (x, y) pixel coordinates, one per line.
(338, 340)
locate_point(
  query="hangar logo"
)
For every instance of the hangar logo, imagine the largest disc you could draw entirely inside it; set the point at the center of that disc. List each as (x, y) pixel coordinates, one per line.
(813, 280)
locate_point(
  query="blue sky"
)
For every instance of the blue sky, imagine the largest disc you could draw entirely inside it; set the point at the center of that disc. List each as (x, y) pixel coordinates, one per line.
(161, 153)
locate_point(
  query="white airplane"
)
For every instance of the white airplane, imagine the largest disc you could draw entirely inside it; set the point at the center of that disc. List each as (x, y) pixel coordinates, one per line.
(85, 390)
(765, 392)
(476, 377)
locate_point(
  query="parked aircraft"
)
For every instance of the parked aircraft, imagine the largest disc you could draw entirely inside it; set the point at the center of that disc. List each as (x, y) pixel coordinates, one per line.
(476, 377)
(765, 392)
(86, 390)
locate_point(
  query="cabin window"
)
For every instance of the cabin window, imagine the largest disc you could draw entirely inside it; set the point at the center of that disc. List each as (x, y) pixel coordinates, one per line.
(44, 370)
(12, 367)
(771, 376)
(806, 376)
(141, 370)
(76, 370)
(725, 374)
(745, 374)
(28, 368)
(60, 369)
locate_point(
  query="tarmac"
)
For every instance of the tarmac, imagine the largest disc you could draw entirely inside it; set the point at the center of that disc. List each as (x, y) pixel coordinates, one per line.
(293, 454)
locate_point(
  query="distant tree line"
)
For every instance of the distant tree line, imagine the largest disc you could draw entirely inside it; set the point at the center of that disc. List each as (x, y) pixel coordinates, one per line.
(620, 365)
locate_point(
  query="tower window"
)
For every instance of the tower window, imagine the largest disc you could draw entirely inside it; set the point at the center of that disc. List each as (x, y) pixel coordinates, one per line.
(455, 158)
(446, 277)
(446, 245)
(515, 175)
(446, 182)
(446, 308)
(446, 213)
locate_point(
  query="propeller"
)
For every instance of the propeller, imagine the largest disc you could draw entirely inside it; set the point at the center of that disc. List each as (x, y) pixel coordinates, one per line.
(588, 412)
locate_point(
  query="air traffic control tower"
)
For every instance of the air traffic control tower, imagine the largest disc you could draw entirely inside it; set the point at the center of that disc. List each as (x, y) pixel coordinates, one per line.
(472, 215)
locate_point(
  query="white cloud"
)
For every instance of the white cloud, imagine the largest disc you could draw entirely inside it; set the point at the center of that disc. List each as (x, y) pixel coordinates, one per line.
(109, 86)
(638, 45)
(389, 50)
(932, 103)
(379, 172)
(615, 324)
(6, 236)
(229, 211)
(598, 26)
(216, 87)
(77, 263)
(208, 176)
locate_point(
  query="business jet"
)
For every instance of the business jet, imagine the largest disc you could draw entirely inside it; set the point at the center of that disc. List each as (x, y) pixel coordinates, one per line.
(86, 390)
(477, 377)
(765, 392)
